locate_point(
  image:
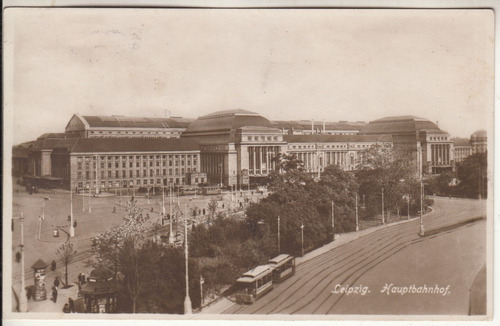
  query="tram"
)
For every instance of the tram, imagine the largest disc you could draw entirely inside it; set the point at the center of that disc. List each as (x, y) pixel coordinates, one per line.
(283, 267)
(211, 190)
(187, 191)
(254, 284)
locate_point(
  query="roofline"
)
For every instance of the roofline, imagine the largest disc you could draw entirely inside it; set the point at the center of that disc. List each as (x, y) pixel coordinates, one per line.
(135, 152)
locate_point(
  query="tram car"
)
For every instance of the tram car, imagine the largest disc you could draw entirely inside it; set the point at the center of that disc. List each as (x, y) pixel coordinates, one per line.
(211, 190)
(254, 284)
(283, 267)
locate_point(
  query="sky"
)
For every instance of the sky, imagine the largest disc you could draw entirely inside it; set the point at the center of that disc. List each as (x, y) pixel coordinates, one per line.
(354, 65)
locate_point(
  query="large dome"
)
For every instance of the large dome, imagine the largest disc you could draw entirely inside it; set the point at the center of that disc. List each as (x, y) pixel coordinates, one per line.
(480, 134)
(399, 125)
(226, 121)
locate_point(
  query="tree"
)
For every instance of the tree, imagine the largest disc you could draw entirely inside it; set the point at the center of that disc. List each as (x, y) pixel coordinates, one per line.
(472, 173)
(383, 169)
(212, 208)
(66, 253)
(118, 249)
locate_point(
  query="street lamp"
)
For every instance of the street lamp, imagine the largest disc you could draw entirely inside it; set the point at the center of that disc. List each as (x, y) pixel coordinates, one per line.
(23, 304)
(422, 231)
(333, 222)
(71, 227)
(187, 300)
(408, 205)
(357, 215)
(383, 217)
(279, 249)
(42, 217)
(302, 235)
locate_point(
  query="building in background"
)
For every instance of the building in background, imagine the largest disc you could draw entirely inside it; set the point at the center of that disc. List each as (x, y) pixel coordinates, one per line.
(121, 126)
(233, 148)
(431, 147)
(478, 141)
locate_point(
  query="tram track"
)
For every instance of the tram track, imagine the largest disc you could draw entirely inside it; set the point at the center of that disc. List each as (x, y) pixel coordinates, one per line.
(309, 290)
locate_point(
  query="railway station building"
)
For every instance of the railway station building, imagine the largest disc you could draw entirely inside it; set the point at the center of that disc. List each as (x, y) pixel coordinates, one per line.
(233, 148)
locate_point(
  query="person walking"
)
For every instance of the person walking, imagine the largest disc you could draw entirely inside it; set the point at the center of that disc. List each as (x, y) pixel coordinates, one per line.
(71, 305)
(57, 282)
(54, 293)
(66, 308)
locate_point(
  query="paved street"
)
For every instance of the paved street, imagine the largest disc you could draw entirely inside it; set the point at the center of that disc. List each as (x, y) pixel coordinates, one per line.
(452, 254)
(89, 224)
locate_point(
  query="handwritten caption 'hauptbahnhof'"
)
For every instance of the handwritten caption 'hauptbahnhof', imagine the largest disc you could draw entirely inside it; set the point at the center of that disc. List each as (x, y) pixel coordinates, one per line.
(392, 289)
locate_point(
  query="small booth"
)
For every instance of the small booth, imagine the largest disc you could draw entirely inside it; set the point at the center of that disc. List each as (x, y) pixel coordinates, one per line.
(100, 292)
(39, 271)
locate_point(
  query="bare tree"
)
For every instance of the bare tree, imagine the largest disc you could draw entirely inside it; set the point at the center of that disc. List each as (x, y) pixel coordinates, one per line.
(67, 253)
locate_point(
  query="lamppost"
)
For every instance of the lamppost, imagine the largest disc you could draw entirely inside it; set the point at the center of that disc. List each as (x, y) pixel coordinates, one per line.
(302, 236)
(71, 227)
(408, 205)
(23, 304)
(171, 237)
(333, 222)
(383, 217)
(422, 231)
(357, 215)
(42, 217)
(202, 281)
(279, 249)
(187, 301)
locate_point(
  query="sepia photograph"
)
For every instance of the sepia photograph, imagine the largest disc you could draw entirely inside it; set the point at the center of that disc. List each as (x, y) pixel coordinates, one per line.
(242, 163)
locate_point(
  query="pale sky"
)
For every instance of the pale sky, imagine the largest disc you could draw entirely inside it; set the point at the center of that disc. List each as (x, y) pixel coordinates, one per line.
(284, 64)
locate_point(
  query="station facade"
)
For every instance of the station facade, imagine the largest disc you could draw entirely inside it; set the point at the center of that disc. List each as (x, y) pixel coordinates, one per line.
(233, 148)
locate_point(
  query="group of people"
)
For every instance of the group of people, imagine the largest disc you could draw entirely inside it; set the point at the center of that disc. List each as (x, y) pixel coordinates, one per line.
(69, 307)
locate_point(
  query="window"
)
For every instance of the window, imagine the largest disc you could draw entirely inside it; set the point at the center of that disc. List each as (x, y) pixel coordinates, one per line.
(164, 163)
(102, 174)
(116, 165)
(124, 165)
(157, 171)
(164, 172)
(124, 174)
(109, 174)
(144, 173)
(150, 163)
(137, 164)
(144, 164)
(170, 172)
(117, 174)
(131, 164)
(102, 165)
(136, 173)
(131, 174)
(79, 166)
(151, 172)
(87, 175)
(109, 165)
(79, 176)
(169, 163)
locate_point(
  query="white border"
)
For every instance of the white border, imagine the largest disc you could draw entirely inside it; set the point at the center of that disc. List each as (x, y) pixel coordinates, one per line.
(271, 320)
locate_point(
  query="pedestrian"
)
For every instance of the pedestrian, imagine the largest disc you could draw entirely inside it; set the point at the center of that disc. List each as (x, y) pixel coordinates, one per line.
(57, 282)
(71, 305)
(203, 211)
(18, 257)
(53, 265)
(54, 293)
(66, 308)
